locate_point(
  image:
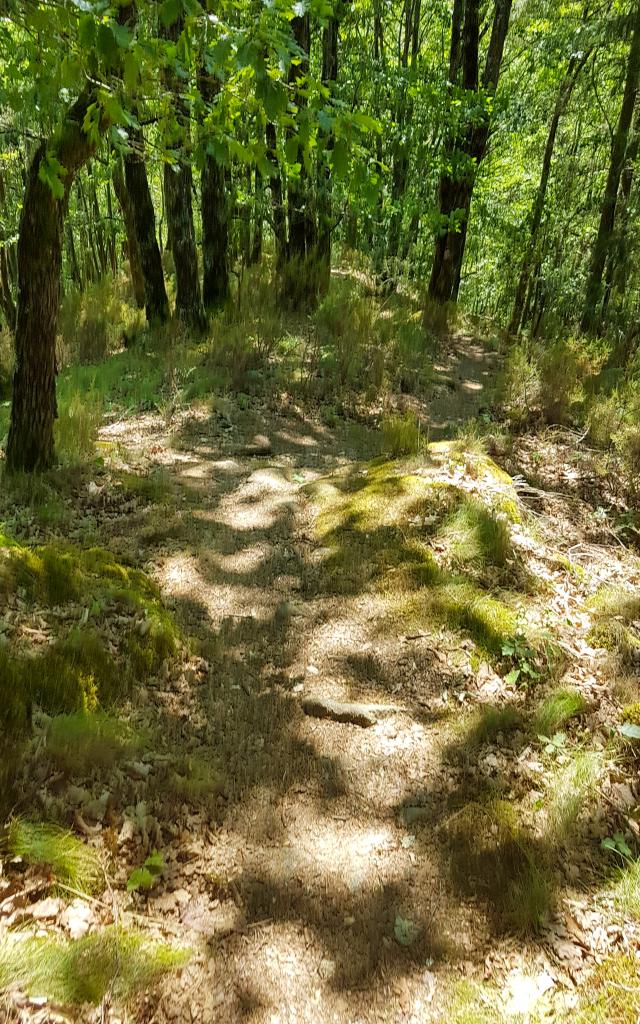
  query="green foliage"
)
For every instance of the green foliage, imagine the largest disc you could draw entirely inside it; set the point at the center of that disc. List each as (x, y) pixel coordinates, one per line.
(146, 876)
(70, 861)
(111, 961)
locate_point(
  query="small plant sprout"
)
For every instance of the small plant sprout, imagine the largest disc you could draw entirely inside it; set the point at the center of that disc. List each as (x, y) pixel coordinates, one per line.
(146, 876)
(617, 845)
(523, 658)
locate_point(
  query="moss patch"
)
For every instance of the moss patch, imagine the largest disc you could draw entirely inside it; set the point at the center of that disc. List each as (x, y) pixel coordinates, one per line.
(612, 993)
(79, 743)
(405, 530)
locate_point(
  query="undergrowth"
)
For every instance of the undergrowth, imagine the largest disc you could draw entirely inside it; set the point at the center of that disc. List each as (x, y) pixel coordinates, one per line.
(70, 860)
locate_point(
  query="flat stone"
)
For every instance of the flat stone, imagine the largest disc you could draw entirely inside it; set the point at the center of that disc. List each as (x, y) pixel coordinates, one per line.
(352, 714)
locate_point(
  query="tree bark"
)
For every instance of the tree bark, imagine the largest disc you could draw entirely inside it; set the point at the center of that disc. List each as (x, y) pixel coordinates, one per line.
(178, 188)
(591, 315)
(135, 172)
(277, 198)
(456, 192)
(325, 205)
(562, 101)
(30, 446)
(215, 216)
(133, 249)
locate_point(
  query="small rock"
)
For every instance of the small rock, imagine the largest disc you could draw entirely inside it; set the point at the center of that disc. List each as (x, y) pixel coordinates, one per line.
(327, 969)
(45, 909)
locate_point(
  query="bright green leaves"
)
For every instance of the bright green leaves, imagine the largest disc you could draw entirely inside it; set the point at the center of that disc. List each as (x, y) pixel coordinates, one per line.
(51, 172)
(170, 11)
(340, 159)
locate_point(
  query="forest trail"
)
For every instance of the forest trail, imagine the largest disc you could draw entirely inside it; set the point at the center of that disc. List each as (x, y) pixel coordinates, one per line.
(464, 374)
(327, 891)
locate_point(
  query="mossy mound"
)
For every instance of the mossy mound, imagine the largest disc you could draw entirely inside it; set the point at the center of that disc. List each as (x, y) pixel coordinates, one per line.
(426, 536)
(87, 667)
(615, 613)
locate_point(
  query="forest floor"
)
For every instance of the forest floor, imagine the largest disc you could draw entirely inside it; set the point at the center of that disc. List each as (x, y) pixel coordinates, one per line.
(379, 812)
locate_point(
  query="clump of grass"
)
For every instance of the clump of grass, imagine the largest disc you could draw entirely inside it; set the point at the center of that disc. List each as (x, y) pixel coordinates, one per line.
(78, 743)
(77, 426)
(490, 721)
(476, 535)
(462, 605)
(615, 602)
(112, 960)
(71, 861)
(197, 780)
(612, 993)
(627, 889)
(569, 790)
(402, 435)
(494, 857)
(154, 487)
(470, 1004)
(558, 708)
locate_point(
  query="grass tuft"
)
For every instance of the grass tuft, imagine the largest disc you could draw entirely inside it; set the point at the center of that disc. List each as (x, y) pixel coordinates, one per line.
(558, 708)
(570, 789)
(402, 435)
(112, 961)
(69, 859)
(490, 721)
(78, 743)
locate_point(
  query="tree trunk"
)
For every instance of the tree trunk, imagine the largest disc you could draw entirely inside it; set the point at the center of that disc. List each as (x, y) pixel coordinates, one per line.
(562, 102)
(215, 217)
(256, 241)
(591, 315)
(133, 249)
(277, 198)
(178, 187)
(30, 446)
(135, 172)
(456, 192)
(325, 205)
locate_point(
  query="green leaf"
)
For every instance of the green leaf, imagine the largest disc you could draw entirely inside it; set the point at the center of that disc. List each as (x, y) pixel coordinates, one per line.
(340, 159)
(122, 36)
(87, 32)
(170, 12)
(107, 46)
(130, 71)
(140, 878)
(512, 678)
(291, 147)
(632, 732)
(51, 173)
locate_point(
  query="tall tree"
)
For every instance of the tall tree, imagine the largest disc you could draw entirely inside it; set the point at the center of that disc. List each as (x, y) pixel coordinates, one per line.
(465, 147)
(56, 162)
(591, 316)
(135, 173)
(129, 220)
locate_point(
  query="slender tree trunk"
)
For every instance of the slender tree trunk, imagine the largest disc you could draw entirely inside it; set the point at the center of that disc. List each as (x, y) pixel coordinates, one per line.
(133, 249)
(256, 241)
(6, 292)
(566, 89)
(277, 198)
(178, 188)
(591, 315)
(325, 205)
(456, 192)
(215, 216)
(30, 445)
(135, 172)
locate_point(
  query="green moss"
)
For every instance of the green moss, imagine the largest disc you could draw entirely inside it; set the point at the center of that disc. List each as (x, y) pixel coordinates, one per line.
(610, 602)
(631, 713)
(69, 859)
(472, 1003)
(556, 710)
(147, 651)
(612, 993)
(111, 961)
(79, 743)
(464, 606)
(476, 535)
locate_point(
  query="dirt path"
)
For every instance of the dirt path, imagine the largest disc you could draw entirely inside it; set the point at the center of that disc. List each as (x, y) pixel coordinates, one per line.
(322, 891)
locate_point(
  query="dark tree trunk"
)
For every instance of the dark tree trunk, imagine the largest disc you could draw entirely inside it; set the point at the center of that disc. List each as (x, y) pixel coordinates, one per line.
(135, 172)
(300, 279)
(256, 240)
(30, 445)
(178, 188)
(325, 205)
(562, 101)
(215, 217)
(456, 192)
(591, 315)
(133, 249)
(277, 198)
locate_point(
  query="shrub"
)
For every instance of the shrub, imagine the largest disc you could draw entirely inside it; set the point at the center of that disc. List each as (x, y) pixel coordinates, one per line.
(565, 365)
(348, 329)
